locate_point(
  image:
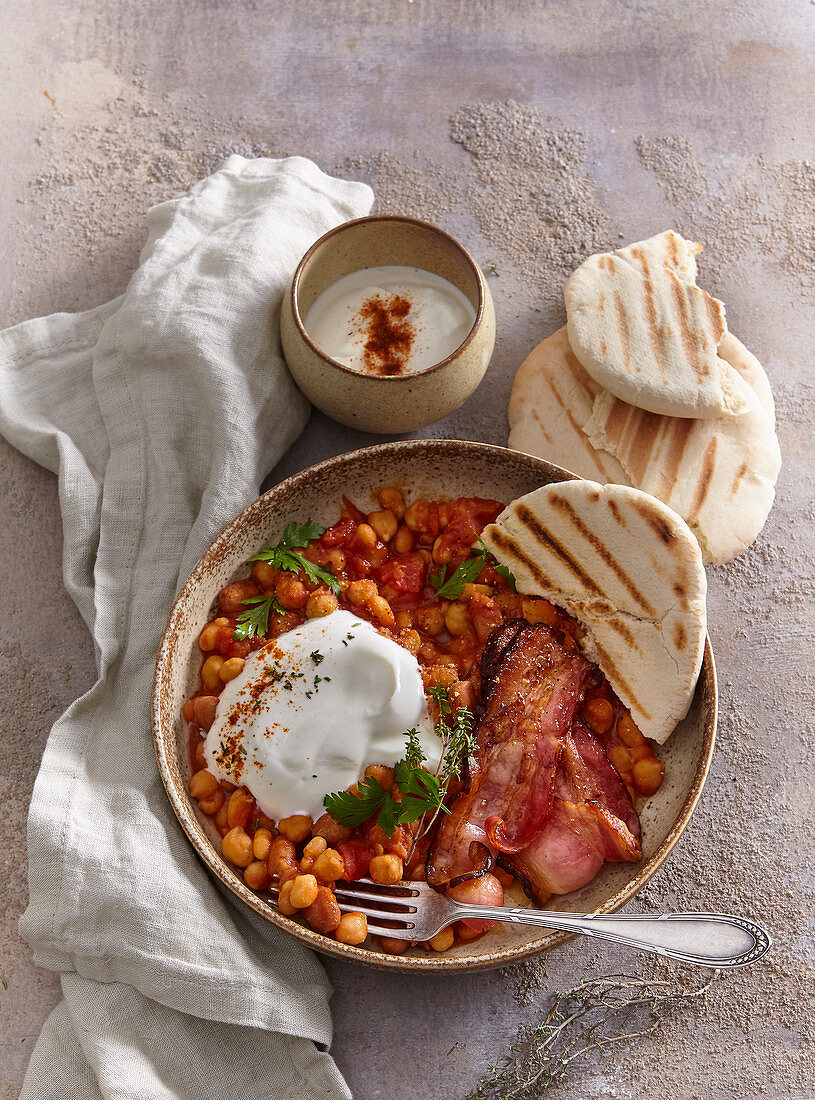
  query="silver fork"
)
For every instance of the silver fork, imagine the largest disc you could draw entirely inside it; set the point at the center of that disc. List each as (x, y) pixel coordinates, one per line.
(415, 911)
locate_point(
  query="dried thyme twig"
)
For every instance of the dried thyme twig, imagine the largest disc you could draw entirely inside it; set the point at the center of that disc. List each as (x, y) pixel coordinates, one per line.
(601, 1012)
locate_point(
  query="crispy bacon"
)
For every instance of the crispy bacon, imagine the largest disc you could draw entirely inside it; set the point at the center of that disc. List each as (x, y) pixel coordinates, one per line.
(592, 820)
(531, 689)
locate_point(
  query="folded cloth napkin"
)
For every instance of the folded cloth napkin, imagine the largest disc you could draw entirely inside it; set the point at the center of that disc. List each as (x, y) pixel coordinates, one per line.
(162, 412)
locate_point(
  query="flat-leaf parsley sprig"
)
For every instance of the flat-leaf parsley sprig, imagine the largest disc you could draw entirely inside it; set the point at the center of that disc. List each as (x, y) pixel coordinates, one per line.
(420, 791)
(284, 556)
(450, 588)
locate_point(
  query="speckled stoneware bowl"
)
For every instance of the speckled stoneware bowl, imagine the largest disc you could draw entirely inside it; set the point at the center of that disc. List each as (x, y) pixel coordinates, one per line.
(378, 403)
(437, 468)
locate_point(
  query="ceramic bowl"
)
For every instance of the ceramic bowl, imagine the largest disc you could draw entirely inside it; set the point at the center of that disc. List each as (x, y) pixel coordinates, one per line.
(378, 403)
(437, 468)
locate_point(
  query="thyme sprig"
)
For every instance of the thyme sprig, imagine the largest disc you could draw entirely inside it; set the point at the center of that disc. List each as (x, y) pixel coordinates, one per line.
(592, 1016)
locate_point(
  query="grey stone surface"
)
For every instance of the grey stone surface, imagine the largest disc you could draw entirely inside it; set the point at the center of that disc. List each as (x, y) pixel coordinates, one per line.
(628, 117)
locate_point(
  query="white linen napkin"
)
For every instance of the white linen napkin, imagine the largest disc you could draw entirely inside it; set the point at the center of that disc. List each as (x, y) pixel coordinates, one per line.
(162, 412)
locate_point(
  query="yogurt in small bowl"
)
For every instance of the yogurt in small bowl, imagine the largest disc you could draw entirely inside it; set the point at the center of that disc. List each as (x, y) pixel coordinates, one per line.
(389, 324)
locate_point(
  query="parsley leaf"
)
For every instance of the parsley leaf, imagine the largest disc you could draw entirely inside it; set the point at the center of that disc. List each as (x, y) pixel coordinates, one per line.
(451, 588)
(255, 620)
(285, 558)
(502, 570)
(352, 809)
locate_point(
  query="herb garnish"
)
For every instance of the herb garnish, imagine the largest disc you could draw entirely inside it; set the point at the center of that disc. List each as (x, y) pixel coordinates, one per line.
(284, 556)
(421, 792)
(452, 587)
(255, 620)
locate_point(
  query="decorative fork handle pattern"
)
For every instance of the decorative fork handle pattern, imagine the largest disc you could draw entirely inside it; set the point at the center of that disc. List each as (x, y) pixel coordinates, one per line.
(708, 939)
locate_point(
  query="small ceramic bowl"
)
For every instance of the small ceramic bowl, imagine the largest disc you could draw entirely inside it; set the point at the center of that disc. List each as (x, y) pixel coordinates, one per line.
(380, 403)
(431, 469)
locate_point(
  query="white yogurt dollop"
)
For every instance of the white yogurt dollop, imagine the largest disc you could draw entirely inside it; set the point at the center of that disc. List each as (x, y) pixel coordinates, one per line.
(361, 320)
(312, 709)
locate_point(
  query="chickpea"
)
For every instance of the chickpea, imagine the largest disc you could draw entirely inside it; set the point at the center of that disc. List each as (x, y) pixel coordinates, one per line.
(443, 940)
(393, 947)
(620, 758)
(213, 804)
(204, 709)
(303, 891)
(404, 619)
(628, 732)
(256, 876)
(282, 859)
(208, 638)
(352, 929)
(456, 619)
(200, 761)
(230, 599)
(386, 869)
(320, 603)
(315, 847)
(261, 843)
(328, 866)
(324, 912)
(219, 818)
(442, 551)
(410, 640)
(188, 710)
(330, 829)
(403, 540)
(241, 807)
(385, 524)
(429, 620)
(204, 784)
(284, 898)
(382, 611)
(648, 774)
(231, 668)
(418, 874)
(393, 500)
(365, 537)
(416, 515)
(336, 559)
(382, 774)
(599, 714)
(295, 828)
(264, 574)
(361, 592)
(465, 933)
(236, 846)
(291, 592)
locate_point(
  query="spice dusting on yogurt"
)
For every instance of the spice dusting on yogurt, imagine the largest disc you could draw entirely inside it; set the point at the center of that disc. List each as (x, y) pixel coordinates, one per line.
(390, 320)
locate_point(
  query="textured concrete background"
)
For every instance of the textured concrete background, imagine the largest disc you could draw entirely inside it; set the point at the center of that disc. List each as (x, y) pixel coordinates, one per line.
(627, 118)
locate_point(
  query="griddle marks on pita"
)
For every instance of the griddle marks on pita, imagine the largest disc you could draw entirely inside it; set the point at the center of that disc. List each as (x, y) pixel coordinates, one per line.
(734, 488)
(622, 330)
(680, 637)
(511, 552)
(602, 552)
(656, 333)
(659, 526)
(531, 523)
(688, 337)
(678, 434)
(705, 478)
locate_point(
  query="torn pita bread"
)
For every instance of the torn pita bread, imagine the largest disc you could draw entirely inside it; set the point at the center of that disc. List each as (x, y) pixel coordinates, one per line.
(750, 369)
(552, 398)
(645, 332)
(719, 475)
(630, 571)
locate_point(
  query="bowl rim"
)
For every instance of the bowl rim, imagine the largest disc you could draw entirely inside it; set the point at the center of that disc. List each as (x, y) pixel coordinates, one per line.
(393, 378)
(182, 804)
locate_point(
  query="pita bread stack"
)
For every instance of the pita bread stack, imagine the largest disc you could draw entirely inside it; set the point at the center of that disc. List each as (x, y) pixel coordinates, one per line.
(630, 571)
(643, 341)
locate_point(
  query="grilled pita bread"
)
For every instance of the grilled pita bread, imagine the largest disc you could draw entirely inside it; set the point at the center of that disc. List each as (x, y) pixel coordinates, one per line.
(644, 330)
(719, 475)
(750, 369)
(630, 571)
(552, 398)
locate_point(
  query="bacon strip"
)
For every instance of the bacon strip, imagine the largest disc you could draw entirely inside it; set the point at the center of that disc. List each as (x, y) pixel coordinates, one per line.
(532, 688)
(592, 820)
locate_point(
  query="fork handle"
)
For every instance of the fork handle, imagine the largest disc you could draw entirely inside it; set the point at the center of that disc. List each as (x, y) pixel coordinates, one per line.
(708, 939)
